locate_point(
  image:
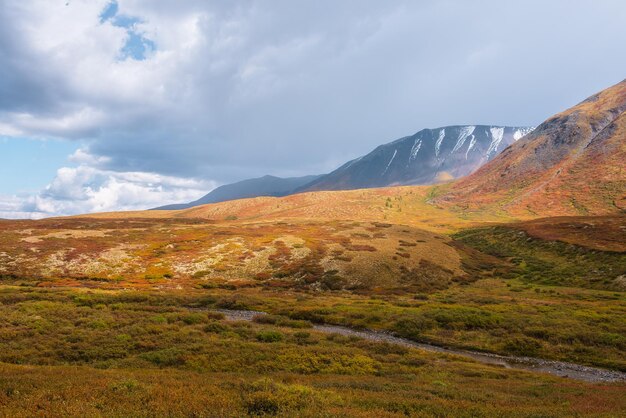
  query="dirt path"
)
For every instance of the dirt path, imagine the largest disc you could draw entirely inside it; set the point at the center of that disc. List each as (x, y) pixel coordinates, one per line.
(558, 368)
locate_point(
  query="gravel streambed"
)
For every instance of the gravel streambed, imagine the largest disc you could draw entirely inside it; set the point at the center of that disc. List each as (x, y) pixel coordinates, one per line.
(558, 368)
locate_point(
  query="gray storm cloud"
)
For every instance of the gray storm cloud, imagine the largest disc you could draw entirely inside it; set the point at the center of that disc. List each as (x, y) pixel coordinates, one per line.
(240, 89)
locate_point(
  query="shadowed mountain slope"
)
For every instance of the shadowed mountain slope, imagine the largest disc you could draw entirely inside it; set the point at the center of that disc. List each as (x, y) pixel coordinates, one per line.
(262, 186)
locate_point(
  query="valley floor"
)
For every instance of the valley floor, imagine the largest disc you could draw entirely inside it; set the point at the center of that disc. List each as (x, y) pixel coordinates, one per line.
(85, 351)
(142, 335)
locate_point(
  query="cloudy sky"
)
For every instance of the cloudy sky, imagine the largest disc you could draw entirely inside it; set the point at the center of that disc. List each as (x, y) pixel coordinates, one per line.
(128, 104)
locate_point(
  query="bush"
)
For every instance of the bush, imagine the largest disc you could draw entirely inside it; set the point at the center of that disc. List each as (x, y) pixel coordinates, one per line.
(168, 357)
(522, 346)
(333, 282)
(280, 321)
(215, 315)
(303, 337)
(315, 316)
(262, 403)
(193, 318)
(267, 397)
(269, 336)
(328, 363)
(265, 319)
(215, 328)
(232, 304)
(463, 318)
(412, 328)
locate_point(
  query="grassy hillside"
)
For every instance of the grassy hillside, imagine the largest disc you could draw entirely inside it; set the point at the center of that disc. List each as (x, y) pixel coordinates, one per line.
(573, 260)
(407, 205)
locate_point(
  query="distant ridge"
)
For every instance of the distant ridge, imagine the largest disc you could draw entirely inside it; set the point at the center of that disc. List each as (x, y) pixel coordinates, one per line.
(262, 186)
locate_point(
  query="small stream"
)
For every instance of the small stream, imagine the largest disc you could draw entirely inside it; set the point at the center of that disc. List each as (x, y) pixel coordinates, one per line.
(557, 368)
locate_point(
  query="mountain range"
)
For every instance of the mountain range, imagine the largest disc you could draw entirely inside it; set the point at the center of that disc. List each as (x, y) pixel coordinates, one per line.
(427, 157)
(571, 164)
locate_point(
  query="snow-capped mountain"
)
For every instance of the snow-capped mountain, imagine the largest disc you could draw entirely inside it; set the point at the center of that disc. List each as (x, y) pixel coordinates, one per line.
(429, 156)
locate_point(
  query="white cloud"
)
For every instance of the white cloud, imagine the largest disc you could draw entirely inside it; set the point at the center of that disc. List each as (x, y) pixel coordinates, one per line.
(82, 156)
(12, 207)
(79, 123)
(85, 189)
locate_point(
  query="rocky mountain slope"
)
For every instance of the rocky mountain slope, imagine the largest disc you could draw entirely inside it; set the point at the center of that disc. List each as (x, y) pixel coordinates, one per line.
(429, 156)
(572, 164)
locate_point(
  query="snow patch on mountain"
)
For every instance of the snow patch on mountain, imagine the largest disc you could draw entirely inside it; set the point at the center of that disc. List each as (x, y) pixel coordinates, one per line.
(442, 134)
(419, 158)
(471, 145)
(497, 133)
(466, 131)
(415, 149)
(519, 133)
(395, 152)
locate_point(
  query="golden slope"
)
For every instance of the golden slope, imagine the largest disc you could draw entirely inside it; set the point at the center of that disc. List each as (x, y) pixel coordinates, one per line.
(407, 205)
(572, 164)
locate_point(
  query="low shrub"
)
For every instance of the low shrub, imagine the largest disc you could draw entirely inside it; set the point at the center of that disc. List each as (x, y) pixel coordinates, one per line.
(269, 336)
(215, 328)
(413, 327)
(169, 357)
(233, 304)
(522, 346)
(194, 318)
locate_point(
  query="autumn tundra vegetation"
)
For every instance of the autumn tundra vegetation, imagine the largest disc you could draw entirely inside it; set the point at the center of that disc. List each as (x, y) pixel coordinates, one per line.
(125, 314)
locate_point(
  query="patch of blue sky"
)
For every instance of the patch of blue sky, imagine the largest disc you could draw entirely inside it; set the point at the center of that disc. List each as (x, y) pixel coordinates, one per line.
(109, 11)
(137, 46)
(123, 21)
(28, 165)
